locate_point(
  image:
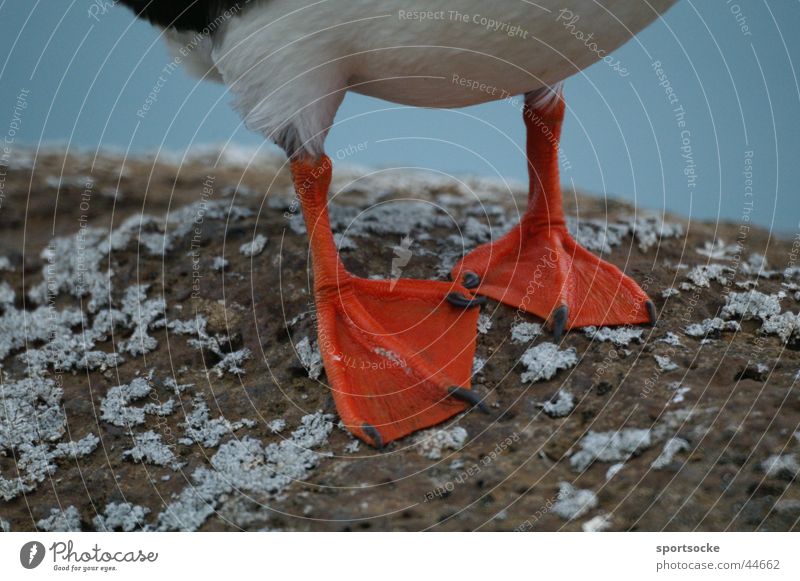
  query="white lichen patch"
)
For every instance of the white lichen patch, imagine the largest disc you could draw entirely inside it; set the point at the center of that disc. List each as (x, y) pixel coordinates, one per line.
(73, 264)
(670, 292)
(560, 405)
(149, 448)
(782, 466)
(255, 246)
(613, 470)
(616, 446)
(310, 357)
(233, 362)
(650, 230)
(572, 502)
(786, 326)
(344, 242)
(142, 314)
(65, 182)
(718, 250)
(207, 432)
(297, 224)
(41, 324)
(704, 274)
(751, 305)
(755, 305)
(543, 361)
(619, 336)
(432, 443)
(68, 352)
(601, 235)
(671, 338)
(598, 524)
(671, 447)
(32, 425)
(478, 363)
(680, 392)
(116, 407)
(7, 295)
(196, 326)
(711, 327)
(394, 218)
(30, 412)
(597, 235)
(449, 252)
(475, 231)
(61, 521)
(665, 363)
(246, 466)
(525, 332)
(791, 272)
(177, 388)
(121, 516)
(219, 263)
(484, 323)
(276, 426)
(756, 265)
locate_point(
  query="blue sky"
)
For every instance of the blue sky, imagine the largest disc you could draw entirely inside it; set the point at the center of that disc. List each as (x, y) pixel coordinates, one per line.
(738, 87)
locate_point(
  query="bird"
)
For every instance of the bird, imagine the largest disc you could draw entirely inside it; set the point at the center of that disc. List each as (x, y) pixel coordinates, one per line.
(399, 353)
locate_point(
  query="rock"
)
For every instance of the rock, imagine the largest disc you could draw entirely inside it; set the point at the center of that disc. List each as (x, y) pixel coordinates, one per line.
(154, 345)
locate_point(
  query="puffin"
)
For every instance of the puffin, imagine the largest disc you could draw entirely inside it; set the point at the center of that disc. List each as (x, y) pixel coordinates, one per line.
(398, 354)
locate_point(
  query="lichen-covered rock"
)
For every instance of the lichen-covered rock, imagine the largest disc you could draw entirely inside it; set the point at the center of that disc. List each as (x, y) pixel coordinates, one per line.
(154, 377)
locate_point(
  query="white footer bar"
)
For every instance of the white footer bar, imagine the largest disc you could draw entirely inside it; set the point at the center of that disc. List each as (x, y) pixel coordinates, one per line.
(401, 556)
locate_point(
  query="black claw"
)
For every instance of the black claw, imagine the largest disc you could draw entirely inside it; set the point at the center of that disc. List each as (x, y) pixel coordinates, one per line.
(651, 310)
(559, 321)
(459, 300)
(471, 280)
(374, 434)
(468, 396)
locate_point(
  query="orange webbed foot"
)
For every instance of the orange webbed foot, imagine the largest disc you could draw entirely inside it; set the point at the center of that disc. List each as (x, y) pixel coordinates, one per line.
(398, 354)
(538, 267)
(543, 271)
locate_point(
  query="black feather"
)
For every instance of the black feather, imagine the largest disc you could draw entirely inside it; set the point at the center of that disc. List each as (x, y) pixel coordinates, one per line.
(196, 15)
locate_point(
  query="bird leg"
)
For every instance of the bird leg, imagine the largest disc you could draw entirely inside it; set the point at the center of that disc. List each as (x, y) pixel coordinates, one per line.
(398, 353)
(538, 267)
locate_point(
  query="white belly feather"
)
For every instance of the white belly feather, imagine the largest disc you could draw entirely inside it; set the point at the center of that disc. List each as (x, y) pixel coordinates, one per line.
(475, 51)
(286, 59)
